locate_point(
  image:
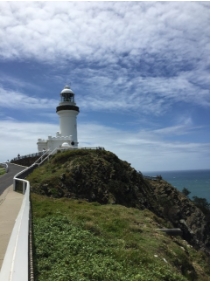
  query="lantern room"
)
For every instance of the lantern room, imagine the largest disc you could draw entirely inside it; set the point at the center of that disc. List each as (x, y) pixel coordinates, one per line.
(67, 95)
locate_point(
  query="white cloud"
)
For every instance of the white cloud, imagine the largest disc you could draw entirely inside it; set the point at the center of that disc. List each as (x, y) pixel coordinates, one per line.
(142, 55)
(151, 95)
(99, 31)
(133, 57)
(14, 82)
(106, 92)
(145, 150)
(21, 138)
(13, 99)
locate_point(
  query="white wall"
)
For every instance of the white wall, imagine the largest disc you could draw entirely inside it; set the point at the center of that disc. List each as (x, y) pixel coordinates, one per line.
(42, 145)
(68, 124)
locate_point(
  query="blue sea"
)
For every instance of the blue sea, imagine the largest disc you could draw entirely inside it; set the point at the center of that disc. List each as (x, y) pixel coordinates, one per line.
(196, 181)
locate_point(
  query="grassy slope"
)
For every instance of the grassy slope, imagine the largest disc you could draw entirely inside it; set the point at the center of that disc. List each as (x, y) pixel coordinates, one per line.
(79, 240)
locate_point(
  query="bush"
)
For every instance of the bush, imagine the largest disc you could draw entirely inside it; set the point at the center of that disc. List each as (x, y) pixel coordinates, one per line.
(185, 191)
(202, 204)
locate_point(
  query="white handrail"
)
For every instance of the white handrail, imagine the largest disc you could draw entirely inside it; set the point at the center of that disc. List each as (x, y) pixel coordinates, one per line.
(15, 266)
(15, 263)
(46, 153)
(47, 156)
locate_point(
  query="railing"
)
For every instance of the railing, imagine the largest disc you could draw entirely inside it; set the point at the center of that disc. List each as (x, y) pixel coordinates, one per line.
(19, 184)
(45, 156)
(16, 260)
(15, 263)
(92, 148)
(27, 156)
(41, 153)
(171, 231)
(80, 148)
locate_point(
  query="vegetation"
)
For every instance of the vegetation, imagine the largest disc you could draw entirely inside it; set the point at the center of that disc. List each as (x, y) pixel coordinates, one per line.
(185, 191)
(201, 203)
(95, 175)
(79, 234)
(2, 170)
(78, 240)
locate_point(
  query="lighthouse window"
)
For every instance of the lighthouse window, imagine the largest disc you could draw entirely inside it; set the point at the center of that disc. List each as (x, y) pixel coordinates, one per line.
(66, 98)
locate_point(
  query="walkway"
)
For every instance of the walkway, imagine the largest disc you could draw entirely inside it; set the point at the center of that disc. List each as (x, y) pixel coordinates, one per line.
(10, 203)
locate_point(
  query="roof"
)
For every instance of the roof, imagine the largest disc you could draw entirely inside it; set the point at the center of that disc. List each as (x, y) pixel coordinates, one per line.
(67, 90)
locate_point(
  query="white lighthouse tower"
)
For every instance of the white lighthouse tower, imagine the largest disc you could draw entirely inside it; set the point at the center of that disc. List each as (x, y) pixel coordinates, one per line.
(67, 111)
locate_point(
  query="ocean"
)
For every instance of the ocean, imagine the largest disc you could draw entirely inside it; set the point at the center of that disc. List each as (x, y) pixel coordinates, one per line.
(196, 181)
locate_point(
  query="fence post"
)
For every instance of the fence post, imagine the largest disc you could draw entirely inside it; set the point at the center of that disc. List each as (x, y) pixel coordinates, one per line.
(23, 187)
(14, 182)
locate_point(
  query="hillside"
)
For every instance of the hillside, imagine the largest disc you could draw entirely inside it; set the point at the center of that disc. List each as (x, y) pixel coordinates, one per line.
(100, 177)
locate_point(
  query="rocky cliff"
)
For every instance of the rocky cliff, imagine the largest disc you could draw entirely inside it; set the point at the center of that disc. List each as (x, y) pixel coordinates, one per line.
(183, 214)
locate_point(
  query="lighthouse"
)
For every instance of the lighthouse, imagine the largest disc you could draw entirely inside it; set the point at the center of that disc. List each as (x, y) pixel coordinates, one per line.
(67, 111)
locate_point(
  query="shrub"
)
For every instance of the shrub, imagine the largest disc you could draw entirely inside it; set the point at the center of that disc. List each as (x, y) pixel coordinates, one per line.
(185, 191)
(202, 204)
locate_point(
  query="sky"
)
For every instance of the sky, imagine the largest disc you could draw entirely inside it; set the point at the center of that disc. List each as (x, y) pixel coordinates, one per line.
(139, 71)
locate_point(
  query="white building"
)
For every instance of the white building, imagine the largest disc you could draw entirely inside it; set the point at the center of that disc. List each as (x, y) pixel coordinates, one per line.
(67, 111)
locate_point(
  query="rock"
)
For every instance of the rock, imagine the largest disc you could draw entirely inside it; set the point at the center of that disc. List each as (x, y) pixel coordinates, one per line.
(185, 215)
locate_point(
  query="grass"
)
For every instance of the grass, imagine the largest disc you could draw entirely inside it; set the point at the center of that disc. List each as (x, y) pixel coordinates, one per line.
(79, 240)
(2, 171)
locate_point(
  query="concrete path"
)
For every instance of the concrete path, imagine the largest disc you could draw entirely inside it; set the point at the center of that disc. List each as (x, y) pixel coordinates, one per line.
(10, 204)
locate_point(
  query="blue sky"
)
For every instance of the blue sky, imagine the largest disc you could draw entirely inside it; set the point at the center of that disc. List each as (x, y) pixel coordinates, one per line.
(139, 71)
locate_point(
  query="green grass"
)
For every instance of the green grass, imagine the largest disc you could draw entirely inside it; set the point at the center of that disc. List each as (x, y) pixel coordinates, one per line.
(79, 240)
(2, 171)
